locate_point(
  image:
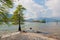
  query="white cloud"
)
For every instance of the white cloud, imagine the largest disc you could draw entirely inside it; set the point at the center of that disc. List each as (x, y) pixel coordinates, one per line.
(54, 5)
(32, 7)
(35, 10)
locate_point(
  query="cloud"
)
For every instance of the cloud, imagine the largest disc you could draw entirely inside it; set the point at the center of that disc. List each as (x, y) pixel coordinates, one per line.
(33, 8)
(50, 8)
(54, 6)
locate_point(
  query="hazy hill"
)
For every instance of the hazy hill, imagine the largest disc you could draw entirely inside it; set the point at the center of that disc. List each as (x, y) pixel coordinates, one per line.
(46, 19)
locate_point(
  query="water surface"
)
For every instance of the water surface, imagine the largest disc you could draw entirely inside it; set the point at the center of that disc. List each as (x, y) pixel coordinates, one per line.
(50, 27)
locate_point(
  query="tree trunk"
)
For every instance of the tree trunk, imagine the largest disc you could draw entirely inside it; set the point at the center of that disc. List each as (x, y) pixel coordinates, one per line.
(19, 29)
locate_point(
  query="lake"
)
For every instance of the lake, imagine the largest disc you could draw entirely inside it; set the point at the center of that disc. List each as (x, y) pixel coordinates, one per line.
(50, 27)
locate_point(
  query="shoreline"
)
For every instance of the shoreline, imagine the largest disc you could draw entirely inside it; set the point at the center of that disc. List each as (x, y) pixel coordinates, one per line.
(23, 35)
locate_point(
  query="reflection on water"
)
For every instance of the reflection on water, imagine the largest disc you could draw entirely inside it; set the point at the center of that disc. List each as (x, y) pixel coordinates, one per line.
(50, 27)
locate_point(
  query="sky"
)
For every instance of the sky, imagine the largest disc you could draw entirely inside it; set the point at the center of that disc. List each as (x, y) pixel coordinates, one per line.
(39, 8)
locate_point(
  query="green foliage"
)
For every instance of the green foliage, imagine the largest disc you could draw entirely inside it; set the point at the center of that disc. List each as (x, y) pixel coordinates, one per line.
(18, 14)
(43, 21)
(7, 3)
(4, 6)
(3, 15)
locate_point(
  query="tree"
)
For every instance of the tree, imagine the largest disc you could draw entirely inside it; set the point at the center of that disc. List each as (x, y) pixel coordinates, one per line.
(17, 18)
(7, 3)
(4, 6)
(4, 10)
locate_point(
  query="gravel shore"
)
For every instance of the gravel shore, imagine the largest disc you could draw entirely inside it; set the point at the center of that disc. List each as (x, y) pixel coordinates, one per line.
(25, 36)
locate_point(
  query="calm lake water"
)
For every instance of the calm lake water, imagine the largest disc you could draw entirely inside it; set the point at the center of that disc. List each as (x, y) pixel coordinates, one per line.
(50, 27)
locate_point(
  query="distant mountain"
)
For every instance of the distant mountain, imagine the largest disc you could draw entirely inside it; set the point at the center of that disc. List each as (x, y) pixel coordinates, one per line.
(46, 19)
(29, 20)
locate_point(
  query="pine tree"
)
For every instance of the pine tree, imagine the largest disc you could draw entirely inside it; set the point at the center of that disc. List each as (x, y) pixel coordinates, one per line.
(17, 18)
